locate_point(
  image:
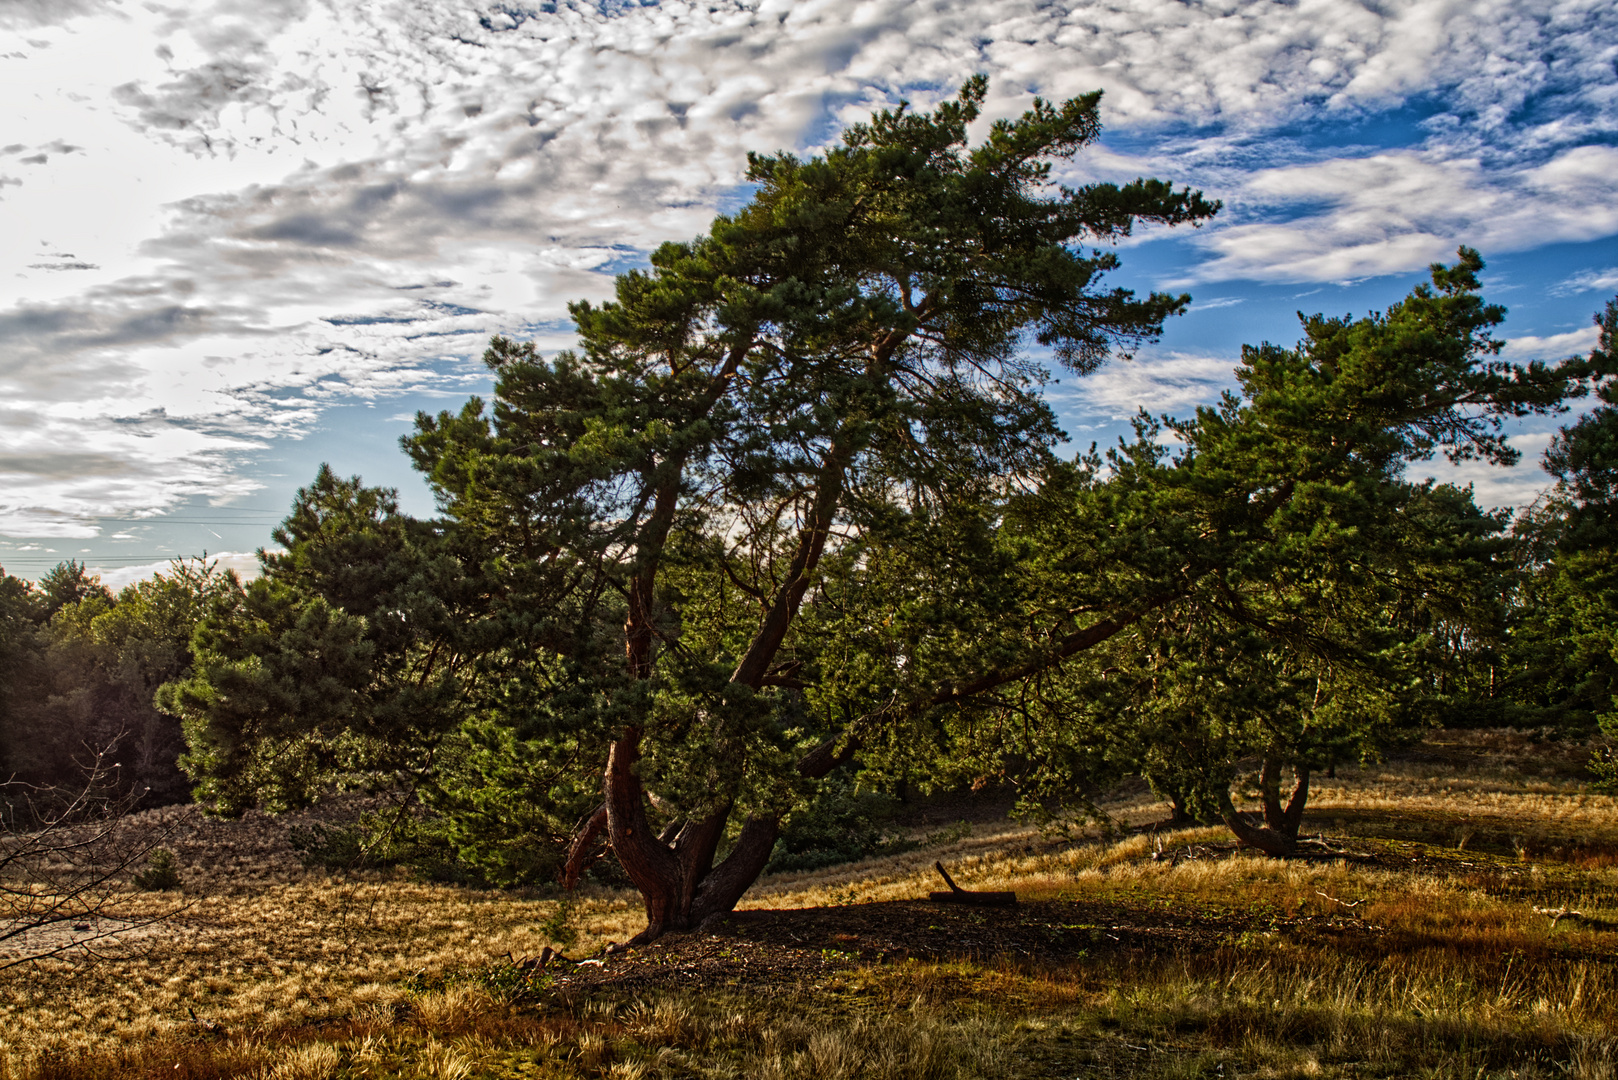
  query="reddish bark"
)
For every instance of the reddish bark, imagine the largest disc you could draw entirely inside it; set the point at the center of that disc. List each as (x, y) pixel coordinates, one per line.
(584, 850)
(1279, 834)
(677, 880)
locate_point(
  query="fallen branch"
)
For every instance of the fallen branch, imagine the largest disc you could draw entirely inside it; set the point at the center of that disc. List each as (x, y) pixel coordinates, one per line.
(1556, 915)
(1321, 842)
(958, 895)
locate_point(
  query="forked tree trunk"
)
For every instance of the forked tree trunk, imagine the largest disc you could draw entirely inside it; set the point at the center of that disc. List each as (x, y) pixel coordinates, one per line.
(676, 877)
(1279, 833)
(667, 873)
(720, 890)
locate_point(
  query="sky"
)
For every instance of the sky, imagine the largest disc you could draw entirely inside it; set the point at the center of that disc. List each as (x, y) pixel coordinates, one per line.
(242, 238)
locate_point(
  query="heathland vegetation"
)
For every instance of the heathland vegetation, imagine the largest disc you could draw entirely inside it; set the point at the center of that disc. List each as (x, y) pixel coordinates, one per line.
(1452, 912)
(786, 554)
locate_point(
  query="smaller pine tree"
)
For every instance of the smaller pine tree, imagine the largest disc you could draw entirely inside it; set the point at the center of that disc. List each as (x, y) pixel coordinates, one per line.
(161, 874)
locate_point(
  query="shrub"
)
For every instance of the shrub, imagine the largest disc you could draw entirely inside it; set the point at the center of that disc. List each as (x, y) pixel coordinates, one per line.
(841, 824)
(329, 847)
(161, 874)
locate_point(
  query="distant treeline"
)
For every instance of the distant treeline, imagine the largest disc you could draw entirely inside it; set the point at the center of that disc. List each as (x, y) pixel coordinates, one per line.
(79, 666)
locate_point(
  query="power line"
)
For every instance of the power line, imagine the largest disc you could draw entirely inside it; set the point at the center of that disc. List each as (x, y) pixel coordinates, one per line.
(248, 517)
(211, 510)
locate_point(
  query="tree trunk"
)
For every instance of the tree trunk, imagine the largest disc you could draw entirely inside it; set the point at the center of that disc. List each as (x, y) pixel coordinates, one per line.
(666, 872)
(1269, 786)
(676, 878)
(670, 875)
(1252, 835)
(649, 864)
(1279, 833)
(585, 850)
(1178, 814)
(1292, 816)
(720, 891)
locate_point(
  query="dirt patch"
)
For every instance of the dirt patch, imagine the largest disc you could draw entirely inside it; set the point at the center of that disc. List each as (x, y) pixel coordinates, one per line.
(93, 935)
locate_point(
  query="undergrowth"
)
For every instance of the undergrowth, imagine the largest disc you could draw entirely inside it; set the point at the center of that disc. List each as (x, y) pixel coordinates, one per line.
(1402, 946)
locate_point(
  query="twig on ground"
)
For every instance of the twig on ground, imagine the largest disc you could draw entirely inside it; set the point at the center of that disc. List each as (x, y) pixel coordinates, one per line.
(1556, 915)
(958, 895)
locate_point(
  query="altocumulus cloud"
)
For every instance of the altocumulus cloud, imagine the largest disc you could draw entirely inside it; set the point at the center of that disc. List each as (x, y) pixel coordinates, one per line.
(278, 205)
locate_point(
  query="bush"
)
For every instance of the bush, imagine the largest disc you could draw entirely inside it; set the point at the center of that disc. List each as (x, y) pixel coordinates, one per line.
(375, 842)
(841, 824)
(330, 847)
(161, 874)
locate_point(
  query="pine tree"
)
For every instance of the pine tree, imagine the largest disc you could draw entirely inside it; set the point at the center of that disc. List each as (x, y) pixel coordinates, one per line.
(641, 524)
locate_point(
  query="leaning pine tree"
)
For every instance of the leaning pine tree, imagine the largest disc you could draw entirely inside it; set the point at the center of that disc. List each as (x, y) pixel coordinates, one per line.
(633, 534)
(843, 356)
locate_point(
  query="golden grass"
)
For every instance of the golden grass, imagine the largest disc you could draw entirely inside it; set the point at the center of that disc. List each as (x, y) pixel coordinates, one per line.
(279, 953)
(1452, 970)
(1222, 1015)
(664, 1038)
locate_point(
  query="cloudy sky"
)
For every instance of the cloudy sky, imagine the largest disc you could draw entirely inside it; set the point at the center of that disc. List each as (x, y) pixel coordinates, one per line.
(248, 236)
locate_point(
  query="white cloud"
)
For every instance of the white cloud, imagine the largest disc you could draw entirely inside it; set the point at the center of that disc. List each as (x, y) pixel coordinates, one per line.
(1172, 383)
(1603, 280)
(218, 218)
(1552, 347)
(1492, 485)
(1395, 212)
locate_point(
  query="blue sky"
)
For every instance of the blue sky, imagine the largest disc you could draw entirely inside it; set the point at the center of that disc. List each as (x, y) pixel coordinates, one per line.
(243, 237)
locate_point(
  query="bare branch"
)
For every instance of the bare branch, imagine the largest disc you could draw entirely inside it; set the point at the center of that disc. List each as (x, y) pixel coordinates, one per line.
(65, 861)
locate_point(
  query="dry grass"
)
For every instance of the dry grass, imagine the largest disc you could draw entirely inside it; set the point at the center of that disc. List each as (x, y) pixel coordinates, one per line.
(1450, 970)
